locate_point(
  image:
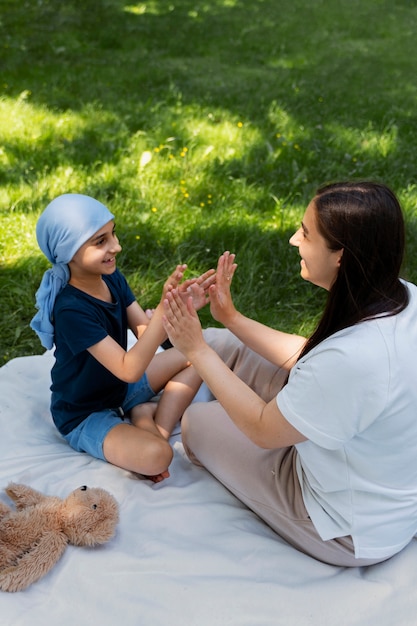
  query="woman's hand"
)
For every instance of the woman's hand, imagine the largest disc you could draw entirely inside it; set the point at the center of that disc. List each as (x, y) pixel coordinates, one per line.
(221, 304)
(182, 324)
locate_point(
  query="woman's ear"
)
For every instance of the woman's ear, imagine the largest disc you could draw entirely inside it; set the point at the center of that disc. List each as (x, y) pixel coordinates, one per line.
(339, 260)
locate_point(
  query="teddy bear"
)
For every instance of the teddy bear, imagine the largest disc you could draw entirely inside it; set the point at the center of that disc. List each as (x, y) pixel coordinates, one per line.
(34, 536)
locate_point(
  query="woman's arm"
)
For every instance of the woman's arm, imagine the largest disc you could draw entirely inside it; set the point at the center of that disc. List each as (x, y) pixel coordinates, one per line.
(261, 422)
(279, 348)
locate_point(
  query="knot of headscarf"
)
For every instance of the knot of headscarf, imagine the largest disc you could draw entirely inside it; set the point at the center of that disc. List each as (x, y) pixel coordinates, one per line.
(64, 226)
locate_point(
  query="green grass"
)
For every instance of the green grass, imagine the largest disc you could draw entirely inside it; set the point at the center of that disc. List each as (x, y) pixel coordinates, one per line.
(204, 126)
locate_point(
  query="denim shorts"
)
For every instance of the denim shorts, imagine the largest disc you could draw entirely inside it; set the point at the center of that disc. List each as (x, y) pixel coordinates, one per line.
(90, 434)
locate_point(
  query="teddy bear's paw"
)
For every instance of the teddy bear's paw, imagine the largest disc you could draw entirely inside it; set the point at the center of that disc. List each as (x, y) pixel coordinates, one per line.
(4, 509)
(12, 579)
(7, 556)
(34, 563)
(24, 496)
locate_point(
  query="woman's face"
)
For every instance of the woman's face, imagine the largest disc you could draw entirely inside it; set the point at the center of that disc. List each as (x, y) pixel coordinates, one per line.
(319, 264)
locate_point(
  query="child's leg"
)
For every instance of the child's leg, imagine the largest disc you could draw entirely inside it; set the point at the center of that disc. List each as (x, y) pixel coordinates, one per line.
(170, 371)
(164, 366)
(176, 397)
(143, 416)
(138, 449)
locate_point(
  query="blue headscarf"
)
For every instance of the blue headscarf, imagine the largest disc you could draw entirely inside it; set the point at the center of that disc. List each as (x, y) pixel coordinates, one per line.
(64, 226)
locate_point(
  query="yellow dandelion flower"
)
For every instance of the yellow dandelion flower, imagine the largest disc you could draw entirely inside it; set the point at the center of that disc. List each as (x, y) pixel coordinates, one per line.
(137, 237)
(239, 124)
(202, 204)
(154, 209)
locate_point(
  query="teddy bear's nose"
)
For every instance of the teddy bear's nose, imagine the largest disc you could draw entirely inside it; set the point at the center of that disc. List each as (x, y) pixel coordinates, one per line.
(83, 488)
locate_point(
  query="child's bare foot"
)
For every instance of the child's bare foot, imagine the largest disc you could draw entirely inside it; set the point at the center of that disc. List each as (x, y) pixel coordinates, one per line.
(158, 478)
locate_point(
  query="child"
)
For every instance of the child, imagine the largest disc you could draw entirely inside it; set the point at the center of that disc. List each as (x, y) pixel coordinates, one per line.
(100, 389)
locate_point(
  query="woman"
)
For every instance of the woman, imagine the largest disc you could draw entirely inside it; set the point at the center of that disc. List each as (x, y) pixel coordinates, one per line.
(318, 436)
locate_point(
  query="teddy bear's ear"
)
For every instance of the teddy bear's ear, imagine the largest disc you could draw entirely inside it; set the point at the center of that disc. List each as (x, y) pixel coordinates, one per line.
(93, 521)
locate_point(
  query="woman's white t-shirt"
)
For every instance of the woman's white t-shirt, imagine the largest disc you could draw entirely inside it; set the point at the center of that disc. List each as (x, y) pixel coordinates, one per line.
(354, 397)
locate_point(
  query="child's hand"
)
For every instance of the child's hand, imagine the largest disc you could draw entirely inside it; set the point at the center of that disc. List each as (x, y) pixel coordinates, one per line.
(198, 289)
(173, 281)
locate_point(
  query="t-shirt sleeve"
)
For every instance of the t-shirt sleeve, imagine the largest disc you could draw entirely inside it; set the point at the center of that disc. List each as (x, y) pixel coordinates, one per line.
(72, 319)
(334, 393)
(76, 312)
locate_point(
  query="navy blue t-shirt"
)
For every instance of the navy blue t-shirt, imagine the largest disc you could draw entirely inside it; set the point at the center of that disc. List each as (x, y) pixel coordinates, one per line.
(80, 384)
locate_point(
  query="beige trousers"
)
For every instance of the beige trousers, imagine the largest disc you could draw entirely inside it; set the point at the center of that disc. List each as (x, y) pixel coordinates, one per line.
(265, 480)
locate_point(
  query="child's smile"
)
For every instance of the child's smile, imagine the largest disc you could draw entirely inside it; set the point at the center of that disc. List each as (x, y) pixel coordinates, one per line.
(97, 256)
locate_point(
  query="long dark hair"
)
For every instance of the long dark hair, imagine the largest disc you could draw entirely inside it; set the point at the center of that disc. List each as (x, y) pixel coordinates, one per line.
(365, 220)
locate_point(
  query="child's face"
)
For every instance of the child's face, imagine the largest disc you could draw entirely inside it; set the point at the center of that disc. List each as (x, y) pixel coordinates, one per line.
(98, 255)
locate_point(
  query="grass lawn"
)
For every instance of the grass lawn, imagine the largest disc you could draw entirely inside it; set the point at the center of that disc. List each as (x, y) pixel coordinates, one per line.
(204, 126)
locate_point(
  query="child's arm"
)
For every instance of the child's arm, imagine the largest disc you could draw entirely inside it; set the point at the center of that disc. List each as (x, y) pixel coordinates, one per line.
(138, 319)
(130, 365)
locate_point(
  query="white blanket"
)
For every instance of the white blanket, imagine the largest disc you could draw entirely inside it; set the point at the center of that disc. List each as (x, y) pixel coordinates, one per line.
(186, 552)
